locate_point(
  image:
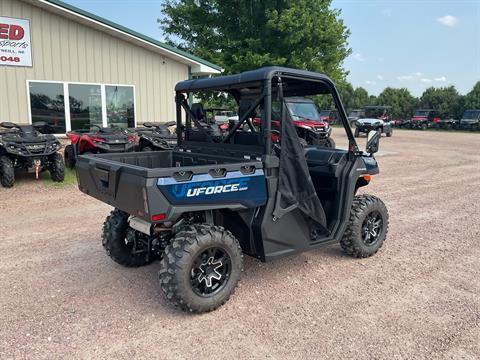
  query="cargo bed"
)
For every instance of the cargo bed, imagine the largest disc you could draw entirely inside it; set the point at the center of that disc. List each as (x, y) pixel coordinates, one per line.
(129, 181)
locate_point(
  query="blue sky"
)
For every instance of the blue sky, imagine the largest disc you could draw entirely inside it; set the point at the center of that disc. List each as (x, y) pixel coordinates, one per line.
(399, 43)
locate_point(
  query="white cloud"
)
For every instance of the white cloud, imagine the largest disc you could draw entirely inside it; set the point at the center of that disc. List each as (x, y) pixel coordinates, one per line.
(418, 73)
(405, 77)
(358, 57)
(425, 80)
(441, 78)
(448, 20)
(370, 82)
(379, 77)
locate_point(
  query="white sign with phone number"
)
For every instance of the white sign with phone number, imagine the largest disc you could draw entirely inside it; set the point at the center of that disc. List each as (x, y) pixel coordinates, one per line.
(15, 42)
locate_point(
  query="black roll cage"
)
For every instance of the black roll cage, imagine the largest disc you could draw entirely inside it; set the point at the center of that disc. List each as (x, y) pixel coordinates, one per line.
(275, 78)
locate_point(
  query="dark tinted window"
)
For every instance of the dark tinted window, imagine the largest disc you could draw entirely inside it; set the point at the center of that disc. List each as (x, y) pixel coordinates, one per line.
(47, 104)
(120, 108)
(85, 106)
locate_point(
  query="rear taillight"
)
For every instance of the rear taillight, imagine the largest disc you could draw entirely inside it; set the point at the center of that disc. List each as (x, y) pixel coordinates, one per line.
(436, 120)
(159, 217)
(97, 139)
(131, 138)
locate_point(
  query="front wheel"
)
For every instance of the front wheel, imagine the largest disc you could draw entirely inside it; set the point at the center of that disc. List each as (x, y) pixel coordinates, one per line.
(57, 168)
(7, 172)
(367, 228)
(330, 143)
(69, 156)
(424, 127)
(201, 268)
(390, 133)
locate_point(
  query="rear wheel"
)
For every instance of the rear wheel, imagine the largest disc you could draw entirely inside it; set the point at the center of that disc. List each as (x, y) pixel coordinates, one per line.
(367, 228)
(57, 168)
(7, 172)
(201, 268)
(117, 242)
(69, 156)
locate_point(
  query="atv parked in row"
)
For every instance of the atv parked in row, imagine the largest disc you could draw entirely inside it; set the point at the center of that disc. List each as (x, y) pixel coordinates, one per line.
(470, 120)
(156, 136)
(201, 206)
(377, 118)
(424, 119)
(24, 147)
(97, 140)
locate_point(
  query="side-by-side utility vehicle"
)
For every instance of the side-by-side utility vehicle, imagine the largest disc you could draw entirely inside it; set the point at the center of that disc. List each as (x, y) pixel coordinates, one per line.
(377, 118)
(201, 206)
(25, 147)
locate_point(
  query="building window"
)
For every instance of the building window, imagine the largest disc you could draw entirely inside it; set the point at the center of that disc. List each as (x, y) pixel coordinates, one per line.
(120, 106)
(47, 104)
(85, 106)
(77, 106)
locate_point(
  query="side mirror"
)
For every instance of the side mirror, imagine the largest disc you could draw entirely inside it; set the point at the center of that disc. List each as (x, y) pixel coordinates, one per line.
(373, 141)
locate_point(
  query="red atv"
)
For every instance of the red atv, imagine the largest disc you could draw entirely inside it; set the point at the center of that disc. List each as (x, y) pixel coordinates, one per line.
(97, 140)
(311, 128)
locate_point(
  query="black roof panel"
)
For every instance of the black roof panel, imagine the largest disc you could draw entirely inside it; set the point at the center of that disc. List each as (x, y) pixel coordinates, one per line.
(247, 77)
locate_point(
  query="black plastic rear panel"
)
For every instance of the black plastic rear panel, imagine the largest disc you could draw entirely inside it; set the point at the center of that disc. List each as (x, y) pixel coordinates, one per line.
(128, 181)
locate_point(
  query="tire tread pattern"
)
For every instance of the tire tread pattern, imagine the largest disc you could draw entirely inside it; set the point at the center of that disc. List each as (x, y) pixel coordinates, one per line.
(177, 256)
(351, 242)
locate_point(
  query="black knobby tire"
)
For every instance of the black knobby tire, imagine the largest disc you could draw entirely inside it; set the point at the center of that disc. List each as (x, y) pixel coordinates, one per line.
(113, 240)
(7, 172)
(330, 143)
(178, 275)
(424, 126)
(357, 132)
(57, 168)
(69, 156)
(390, 133)
(147, 148)
(354, 239)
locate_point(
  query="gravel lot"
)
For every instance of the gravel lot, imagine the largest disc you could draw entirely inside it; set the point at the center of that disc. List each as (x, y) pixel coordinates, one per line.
(419, 297)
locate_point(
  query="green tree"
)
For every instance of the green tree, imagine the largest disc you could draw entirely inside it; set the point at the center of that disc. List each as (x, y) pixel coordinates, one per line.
(402, 102)
(472, 99)
(246, 34)
(446, 100)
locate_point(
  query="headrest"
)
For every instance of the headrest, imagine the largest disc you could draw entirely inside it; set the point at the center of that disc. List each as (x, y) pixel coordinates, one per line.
(198, 112)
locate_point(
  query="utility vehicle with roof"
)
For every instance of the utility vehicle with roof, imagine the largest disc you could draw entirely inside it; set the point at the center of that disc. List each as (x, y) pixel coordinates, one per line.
(201, 206)
(377, 118)
(25, 147)
(424, 119)
(470, 120)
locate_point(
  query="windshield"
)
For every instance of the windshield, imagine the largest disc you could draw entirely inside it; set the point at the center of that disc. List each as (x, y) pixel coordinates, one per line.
(471, 114)
(303, 111)
(421, 113)
(375, 113)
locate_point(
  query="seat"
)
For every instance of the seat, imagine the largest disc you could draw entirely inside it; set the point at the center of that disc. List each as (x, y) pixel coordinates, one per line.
(198, 111)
